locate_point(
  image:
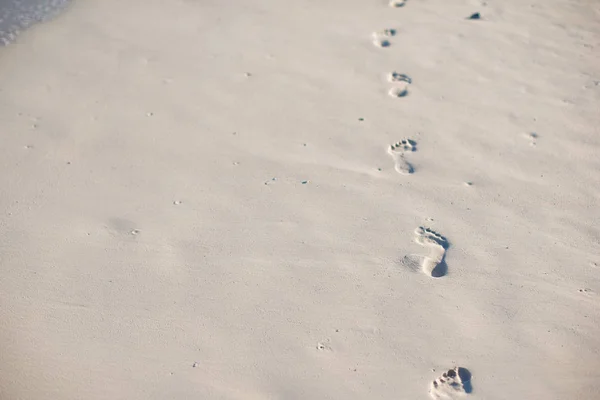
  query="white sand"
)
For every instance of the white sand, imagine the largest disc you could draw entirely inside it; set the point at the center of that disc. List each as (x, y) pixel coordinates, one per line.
(158, 242)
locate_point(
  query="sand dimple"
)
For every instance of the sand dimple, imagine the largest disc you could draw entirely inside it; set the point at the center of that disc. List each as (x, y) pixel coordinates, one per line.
(324, 346)
(398, 150)
(433, 264)
(453, 383)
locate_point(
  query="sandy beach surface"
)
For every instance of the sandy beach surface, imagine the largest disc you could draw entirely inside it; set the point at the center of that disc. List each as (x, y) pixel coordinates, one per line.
(262, 199)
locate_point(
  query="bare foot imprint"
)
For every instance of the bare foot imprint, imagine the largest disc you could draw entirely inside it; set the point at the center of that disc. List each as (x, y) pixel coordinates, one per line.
(397, 3)
(401, 81)
(397, 151)
(433, 264)
(382, 38)
(453, 383)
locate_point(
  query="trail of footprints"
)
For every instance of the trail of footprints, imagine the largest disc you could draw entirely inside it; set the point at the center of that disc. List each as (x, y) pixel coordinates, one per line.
(455, 382)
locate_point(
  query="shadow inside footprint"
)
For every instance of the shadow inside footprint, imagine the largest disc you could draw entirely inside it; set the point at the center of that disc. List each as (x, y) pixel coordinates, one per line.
(465, 378)
(440, 270)
(408, 168)
(398, 77)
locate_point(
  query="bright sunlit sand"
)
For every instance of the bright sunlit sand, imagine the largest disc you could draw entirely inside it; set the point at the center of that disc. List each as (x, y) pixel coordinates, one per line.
(305, 200)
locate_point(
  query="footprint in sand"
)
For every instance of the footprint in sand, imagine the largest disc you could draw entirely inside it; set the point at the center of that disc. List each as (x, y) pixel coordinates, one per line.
(532, 136)
(398, 150)
(397, 3)
(433, 264)
(453, 383)
(401, 82)
(382, 38)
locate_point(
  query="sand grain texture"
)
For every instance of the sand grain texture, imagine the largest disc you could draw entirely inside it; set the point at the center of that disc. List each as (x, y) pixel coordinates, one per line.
(197, 202)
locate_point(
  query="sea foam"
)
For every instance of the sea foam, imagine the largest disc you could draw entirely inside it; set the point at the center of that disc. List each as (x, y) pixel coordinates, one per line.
(17, 15)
